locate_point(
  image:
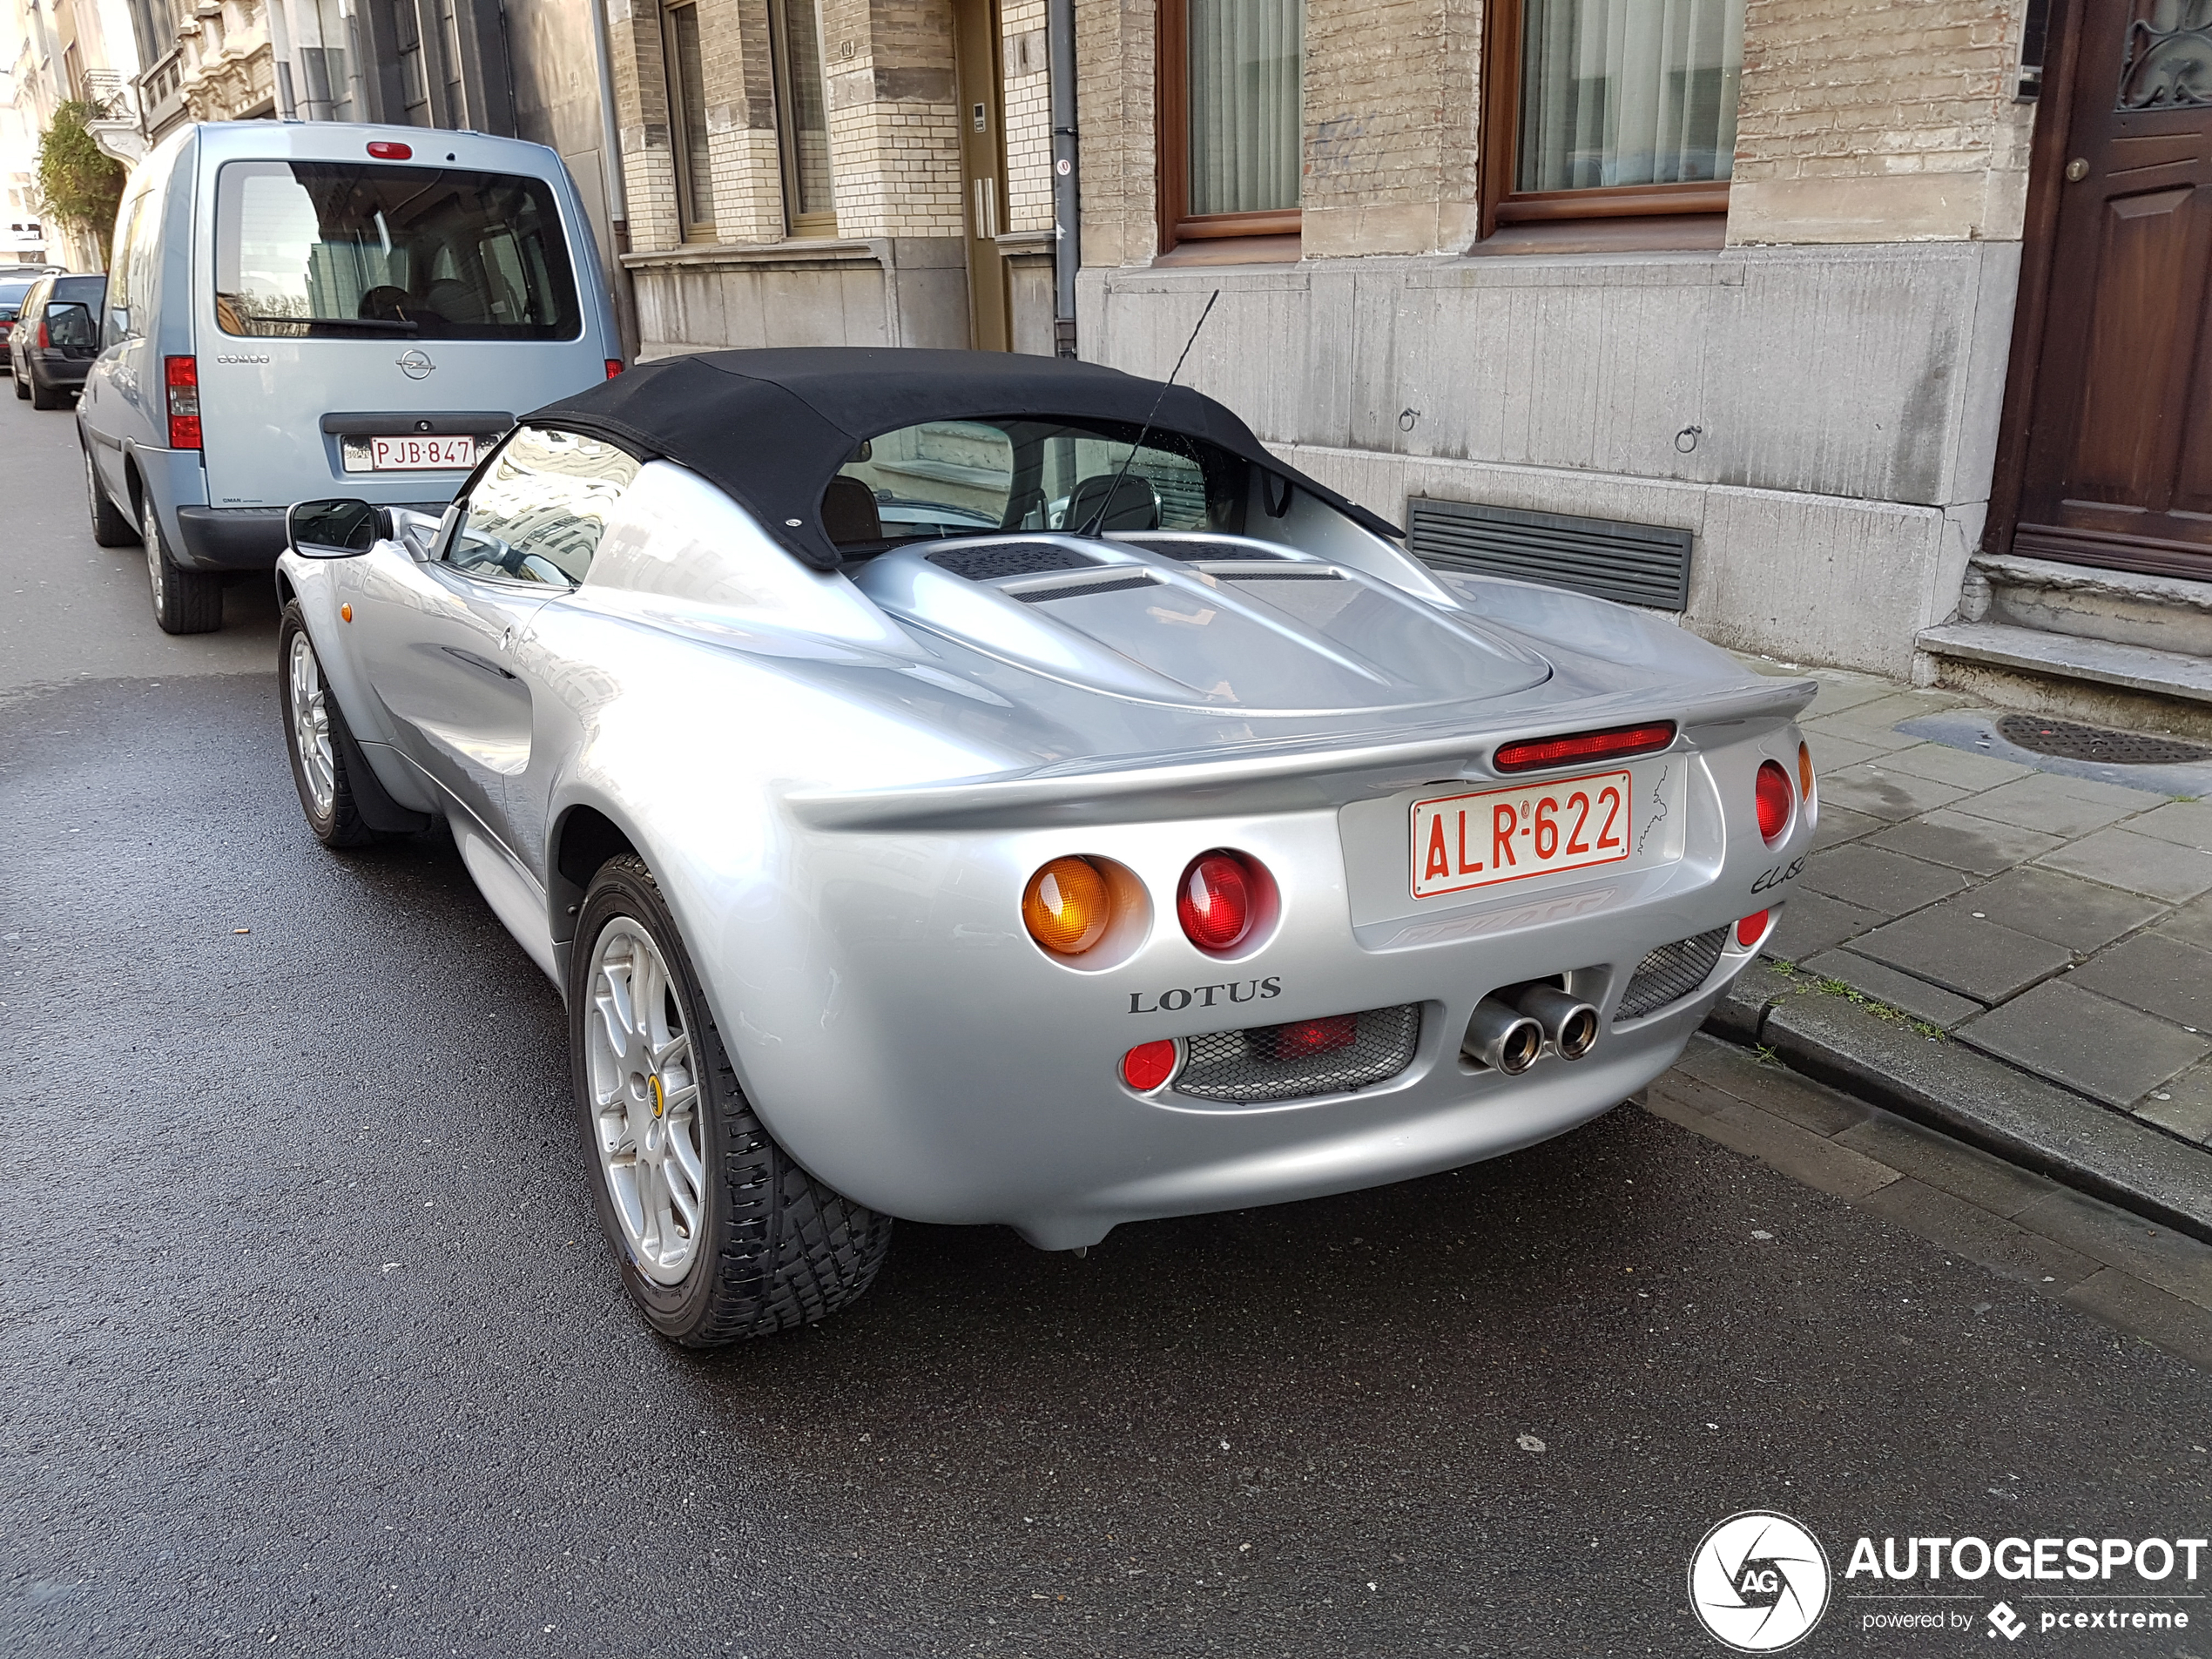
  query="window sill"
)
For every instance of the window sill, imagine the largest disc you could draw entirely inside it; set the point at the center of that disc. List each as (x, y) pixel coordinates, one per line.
(1234, 250)
(799, 250)
(1651, 233)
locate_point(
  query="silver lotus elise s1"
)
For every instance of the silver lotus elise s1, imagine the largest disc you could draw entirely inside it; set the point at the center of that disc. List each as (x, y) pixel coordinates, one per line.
(980, 788)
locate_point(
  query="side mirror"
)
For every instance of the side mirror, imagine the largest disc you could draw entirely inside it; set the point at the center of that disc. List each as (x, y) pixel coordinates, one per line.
(332, 529)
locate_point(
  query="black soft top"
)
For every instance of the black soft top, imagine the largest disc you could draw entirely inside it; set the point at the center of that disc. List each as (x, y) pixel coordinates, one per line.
(770, 427)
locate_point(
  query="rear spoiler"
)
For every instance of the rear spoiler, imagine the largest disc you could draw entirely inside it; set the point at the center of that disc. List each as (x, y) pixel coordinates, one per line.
(1288, 774)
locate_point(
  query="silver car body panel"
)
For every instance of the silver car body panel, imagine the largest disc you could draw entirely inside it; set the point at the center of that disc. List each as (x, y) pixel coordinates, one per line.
(843, 784)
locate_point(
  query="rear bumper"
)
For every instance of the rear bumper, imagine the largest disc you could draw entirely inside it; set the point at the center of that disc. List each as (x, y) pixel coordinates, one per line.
(56, 369)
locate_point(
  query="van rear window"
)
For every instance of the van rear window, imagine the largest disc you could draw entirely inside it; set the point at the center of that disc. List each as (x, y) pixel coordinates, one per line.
(337, 250)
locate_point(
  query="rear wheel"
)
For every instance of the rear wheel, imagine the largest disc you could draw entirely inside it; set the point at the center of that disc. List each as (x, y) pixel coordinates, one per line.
(14, 374)
(109, 527)
(312, 729)
(720, 1236)
(43, 396)
(185, 602)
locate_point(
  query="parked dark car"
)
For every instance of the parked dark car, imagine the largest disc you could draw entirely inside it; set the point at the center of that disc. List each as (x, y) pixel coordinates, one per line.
(57, 336)
(12, 290)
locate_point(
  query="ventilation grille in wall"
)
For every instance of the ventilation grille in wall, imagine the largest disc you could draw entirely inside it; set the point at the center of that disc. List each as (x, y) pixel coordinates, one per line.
(1638, 564)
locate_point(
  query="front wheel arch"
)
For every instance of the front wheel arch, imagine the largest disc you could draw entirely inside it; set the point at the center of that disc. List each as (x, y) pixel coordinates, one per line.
(582, 840)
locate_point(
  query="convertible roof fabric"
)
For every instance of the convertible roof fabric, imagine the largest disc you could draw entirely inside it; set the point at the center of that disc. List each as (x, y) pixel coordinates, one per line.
(770, 427)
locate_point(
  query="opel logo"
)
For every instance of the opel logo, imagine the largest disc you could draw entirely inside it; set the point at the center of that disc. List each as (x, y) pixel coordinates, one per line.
(415, 365)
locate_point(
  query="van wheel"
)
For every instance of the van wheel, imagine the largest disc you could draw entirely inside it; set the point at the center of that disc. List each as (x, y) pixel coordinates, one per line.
(720, 1236)
(110, 528)
(185, 602)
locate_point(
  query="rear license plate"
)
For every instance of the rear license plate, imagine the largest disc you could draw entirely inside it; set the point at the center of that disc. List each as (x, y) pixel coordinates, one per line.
(1494, 835)
(414, 452)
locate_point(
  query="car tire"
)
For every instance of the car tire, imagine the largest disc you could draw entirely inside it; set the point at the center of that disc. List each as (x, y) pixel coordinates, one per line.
(110, 528)
(766, 1246)
(21, 389)
(314, 736)
(43, 396)
(185, 602)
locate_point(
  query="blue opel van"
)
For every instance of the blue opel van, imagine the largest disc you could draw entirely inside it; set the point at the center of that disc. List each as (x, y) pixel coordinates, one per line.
(317, 309)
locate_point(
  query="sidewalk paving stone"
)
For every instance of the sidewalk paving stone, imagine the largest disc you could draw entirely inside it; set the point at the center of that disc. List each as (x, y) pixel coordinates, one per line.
(2047, 802)
(2192, 922)
(1840, 824)
(2120, 858)
(1978, 959)
(1940, 762)
(1833, 754)
(1839, 693)
(2175, 1263)
(2186, 823)
(1979, 846)
(2082, 915)
(2103, 1048)
(1979, 1236)
(1899, 990)
(1950, 1166)
(2183, 1105)
(1812, 922)
(1874, 880)
(2118, 1297)
(2159, 975)
(1893, 795)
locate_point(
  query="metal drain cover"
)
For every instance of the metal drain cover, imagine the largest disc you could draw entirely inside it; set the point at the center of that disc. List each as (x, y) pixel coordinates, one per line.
(2071, 742)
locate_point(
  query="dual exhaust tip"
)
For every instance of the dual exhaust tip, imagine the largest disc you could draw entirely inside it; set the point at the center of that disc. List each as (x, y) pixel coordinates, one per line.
(1507, 1035)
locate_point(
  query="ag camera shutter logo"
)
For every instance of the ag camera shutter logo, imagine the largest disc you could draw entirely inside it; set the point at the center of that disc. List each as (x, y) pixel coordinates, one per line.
(1758, 1583)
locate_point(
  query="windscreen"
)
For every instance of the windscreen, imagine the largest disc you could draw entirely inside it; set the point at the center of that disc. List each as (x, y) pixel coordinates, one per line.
(11, 293)
(946, 478)
(328, 249)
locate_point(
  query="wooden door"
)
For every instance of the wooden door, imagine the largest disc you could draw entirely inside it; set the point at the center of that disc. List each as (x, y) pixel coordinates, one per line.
(982, 168)
(2119, 451)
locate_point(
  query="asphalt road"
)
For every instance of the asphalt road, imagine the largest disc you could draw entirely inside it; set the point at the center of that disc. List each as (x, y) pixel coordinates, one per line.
(308, 1342)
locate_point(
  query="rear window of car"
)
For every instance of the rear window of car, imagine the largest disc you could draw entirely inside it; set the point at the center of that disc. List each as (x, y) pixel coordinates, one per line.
(11, 293)
(83, 291)
(326, 249)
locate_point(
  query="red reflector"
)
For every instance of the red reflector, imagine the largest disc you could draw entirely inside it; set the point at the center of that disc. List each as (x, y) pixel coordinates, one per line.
(614, 366)
(1214, 901)
(1775, 795)
(1749, 929)
(1533, 752)
(386, 150)
(180, 377)
(1148, 1065)
(1303, 1037)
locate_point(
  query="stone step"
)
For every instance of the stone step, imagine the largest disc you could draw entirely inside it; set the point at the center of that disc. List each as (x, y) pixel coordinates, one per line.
(2160, 613)
(2103, 662)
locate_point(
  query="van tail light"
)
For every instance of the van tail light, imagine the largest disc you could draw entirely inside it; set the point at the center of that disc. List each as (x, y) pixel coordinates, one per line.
(614, 366)
(1775, 793)
(181, 376)
(387, 150)
(43, 342)
(1615, 742)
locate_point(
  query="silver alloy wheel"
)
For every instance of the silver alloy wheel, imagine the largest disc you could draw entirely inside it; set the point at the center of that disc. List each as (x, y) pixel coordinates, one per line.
(645, 1101)
(150, 532)
(311, 724)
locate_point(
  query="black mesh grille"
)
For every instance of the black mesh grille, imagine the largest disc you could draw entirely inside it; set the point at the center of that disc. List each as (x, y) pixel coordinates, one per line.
(1293, 575)
(1189, 552)
(1078, 590)
(1326, 1057)
(1009, 558)
(1669, 974)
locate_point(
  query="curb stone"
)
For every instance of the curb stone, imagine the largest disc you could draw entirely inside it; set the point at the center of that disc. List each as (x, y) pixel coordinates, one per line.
(1965, 1095)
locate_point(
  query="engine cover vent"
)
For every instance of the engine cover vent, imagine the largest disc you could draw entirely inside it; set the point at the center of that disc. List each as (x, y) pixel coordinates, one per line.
(1193, 551)
(1637, 565)
(1010, 558)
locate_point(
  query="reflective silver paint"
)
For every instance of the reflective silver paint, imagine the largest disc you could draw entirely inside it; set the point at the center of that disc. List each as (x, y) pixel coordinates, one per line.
(842, 785)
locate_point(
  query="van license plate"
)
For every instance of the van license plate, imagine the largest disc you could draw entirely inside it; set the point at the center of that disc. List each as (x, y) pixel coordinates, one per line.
(416, 452)
(1494, 835)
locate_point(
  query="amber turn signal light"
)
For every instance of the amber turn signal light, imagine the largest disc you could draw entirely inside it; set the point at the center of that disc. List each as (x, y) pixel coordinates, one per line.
(1067, 906)
(1804, 771)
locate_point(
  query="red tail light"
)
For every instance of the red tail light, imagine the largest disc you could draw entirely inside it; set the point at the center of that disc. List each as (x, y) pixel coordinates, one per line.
(1148, 1065)
(1776, 794)
(1304, 1037)
(614, 366)
(181, 375)
(386, 150)
(1218, 899)
(1532, 753)
(43, 342)
(1749, 929)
